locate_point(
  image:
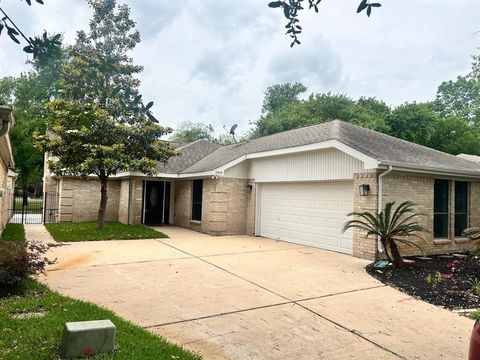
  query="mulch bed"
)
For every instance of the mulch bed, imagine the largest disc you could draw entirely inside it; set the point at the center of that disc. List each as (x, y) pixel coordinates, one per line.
(443, 281)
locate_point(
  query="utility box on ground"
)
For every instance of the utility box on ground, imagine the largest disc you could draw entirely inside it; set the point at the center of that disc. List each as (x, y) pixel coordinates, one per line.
(88, 338)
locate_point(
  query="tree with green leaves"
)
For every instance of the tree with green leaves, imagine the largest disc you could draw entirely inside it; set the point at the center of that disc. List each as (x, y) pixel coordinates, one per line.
(7, 90)
(317, 108)
(292, 8)
(280, 95)
(27, 95)
(102, 127)
(459, 98)
(392, 226)
(188, 132)
(41, 47)
(415, 122)
(455, 135)
(462, 96)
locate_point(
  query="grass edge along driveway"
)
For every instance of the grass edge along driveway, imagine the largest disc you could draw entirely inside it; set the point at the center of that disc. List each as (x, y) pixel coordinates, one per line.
(32, 321)
(87, 231)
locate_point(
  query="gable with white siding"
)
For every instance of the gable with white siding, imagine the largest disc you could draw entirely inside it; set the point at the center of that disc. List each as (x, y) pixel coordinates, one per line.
(320, 165)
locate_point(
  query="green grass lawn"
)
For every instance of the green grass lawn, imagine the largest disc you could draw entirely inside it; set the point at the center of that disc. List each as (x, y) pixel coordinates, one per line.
(13, 232)
(38, 337)
(87, 231)
(33, 206)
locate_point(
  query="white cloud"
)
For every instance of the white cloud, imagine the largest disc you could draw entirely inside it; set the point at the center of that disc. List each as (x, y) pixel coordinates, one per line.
(211, 60)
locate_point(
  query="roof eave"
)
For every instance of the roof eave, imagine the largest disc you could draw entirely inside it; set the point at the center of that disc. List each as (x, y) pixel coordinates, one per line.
(422, 169)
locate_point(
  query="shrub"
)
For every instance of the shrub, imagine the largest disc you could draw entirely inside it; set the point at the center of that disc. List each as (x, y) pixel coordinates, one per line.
(20, 260)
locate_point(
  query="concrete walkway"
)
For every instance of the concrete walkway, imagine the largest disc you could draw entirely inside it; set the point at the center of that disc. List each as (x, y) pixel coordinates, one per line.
(241, 297)
(39, 233)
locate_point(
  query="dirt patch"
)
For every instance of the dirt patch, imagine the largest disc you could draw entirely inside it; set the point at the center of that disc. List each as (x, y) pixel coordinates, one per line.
(76, 261)
(446, 281)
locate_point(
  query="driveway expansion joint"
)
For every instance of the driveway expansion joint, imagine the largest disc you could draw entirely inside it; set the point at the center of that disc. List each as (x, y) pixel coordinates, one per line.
(225, 270)
(352, 331)
(291, 302)
(294, 302)
(218, 315)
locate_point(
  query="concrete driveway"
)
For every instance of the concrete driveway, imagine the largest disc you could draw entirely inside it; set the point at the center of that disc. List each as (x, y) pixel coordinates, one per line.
(241, 297)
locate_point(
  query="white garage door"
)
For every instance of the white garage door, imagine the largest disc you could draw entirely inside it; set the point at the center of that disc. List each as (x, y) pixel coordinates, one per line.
(307, 213)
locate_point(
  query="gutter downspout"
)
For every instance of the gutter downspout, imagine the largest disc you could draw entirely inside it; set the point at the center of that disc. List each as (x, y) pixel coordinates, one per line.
(380, 198)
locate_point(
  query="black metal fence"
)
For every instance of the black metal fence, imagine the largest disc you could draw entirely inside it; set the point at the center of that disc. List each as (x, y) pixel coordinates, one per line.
(27, 209)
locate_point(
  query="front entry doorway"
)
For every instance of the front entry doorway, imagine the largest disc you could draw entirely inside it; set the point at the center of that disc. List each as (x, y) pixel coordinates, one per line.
(156, 202)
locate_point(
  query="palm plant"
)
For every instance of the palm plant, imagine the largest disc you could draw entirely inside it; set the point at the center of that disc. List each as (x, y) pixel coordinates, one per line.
(392, 226)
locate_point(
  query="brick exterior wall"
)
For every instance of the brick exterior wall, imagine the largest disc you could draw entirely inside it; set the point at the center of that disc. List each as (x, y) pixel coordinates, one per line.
(136, 201)
(80, 199)
(4, 200)
(418, 188)
(251, 208)
(474, 217)
(130, 201)
(183, 205)
(124, 202)
(226, 206)
(365, 247)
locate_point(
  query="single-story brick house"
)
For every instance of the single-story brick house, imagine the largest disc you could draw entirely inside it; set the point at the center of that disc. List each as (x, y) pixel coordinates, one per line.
(296, 186)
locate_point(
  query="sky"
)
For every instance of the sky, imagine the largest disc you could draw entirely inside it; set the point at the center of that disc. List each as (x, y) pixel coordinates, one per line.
(210, 61)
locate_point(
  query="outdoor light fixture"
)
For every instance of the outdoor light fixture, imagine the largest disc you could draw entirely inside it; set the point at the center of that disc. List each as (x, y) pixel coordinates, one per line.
(364, 189)
(249, 187)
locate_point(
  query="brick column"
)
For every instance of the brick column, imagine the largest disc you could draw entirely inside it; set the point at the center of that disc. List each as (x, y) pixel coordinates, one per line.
(365, 247)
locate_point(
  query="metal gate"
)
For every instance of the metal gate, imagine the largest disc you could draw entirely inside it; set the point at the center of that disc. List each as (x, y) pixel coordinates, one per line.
(27, 209)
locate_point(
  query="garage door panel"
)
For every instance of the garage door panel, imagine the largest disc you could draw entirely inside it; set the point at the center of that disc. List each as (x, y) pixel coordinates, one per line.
(320, 204)
(307, 220)
(333, 223)
(333, 205)
(307, 204)
(347, 206)
(307, 213)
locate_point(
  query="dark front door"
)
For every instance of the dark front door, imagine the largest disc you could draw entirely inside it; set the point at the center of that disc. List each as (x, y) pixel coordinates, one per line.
(154, 202)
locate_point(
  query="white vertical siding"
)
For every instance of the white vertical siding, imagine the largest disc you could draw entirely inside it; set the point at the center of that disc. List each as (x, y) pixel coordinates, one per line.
(239, 171)
(327, 164)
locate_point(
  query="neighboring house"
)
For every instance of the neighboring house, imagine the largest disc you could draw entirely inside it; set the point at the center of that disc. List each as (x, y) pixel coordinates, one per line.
(296, 186)
(7, 177)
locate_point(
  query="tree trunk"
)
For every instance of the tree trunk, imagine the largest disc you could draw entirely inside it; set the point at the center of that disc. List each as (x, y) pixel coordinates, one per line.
(397, 258)
(103, 203)
(25, 195)
(385, 248)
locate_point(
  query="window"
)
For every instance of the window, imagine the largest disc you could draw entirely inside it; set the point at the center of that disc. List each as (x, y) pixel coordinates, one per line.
(461, 207)
(197, 190)
(441, 198)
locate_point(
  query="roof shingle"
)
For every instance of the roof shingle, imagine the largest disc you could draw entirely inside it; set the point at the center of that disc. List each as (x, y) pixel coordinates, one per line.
(379, 146)
(189, 154)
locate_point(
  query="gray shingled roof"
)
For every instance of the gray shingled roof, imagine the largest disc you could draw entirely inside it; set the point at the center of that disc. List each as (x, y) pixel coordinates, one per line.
(189, 155)
(386, 149)
(474, 158)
